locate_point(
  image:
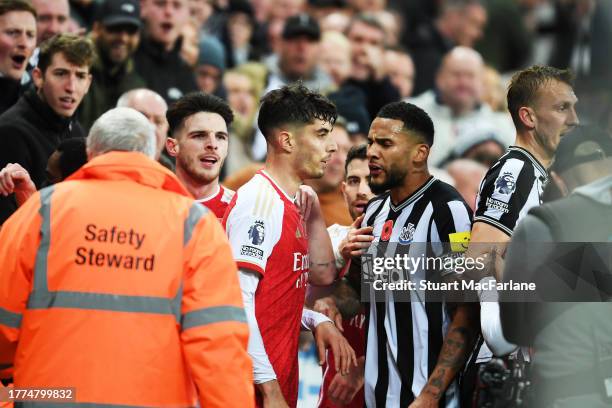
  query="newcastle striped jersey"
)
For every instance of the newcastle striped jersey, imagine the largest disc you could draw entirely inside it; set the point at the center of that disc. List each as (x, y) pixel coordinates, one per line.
(405, 337)
(511, 187)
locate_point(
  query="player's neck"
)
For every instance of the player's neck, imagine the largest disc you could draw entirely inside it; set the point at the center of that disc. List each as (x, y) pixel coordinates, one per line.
(412, 183)
(283, 174)
(528, 142)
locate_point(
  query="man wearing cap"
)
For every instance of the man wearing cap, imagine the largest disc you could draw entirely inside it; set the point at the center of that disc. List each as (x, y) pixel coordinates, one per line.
(298, 59)
(210, 65)
(571, 340)
(298, 56)
(116, 34)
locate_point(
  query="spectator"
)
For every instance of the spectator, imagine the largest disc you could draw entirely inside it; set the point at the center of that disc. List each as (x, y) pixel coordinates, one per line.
(83, 12)
(493, 91)
(392, 25)
(298, 59)
(190, 44)
(32, 129)
(210, 66)
(351, 105)
(17, 42)
(483, 146)
(116, 34)
(69, 156)
(507, 41)
(299, 55)
(349, 99)
(319, 9)
(367, 38)
(153, 106)
(335, 22)
(238, 35)
(336, 58)
(460, 22)
(52, 18)
(242, 97)
(200, 11)
(367, 6)
(328, 187)
(467, 175)
(455, 105)
(68, 228)
(400, 68)
(158, 58)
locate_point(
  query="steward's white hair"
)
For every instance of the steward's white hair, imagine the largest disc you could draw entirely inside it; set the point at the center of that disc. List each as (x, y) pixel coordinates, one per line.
(123, 129)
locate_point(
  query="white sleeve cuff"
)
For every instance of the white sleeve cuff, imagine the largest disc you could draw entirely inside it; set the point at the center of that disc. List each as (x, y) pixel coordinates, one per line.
(311, 319)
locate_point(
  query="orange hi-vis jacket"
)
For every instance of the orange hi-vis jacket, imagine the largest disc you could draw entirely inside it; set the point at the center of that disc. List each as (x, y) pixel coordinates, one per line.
(117, 284)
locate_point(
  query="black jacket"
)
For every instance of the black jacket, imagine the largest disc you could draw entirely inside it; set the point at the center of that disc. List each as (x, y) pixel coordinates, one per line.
(29, 132)
(11, 91)
(164, 72)
(108, 84)
(377, 93)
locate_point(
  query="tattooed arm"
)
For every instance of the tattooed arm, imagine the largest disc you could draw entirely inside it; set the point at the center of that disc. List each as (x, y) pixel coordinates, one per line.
(457, 345)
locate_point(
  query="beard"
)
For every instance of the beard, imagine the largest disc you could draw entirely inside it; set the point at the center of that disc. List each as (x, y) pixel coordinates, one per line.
(395, 178)
(190, 167)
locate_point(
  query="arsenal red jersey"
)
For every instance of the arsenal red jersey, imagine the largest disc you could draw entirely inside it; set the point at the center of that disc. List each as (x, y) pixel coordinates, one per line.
(219, 201)
(268, 235)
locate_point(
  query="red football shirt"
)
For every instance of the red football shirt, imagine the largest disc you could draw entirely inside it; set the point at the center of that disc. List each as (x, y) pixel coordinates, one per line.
(268, 235)
(354, 332)
(218, 202)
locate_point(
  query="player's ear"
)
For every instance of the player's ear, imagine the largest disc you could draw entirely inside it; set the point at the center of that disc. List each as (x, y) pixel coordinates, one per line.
(285, 140)
(172, 146)
(421, 153)
(527, 117)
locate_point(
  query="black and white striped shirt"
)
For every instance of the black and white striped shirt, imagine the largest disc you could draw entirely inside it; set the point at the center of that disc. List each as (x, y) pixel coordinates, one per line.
(511, 187)
(404, 338)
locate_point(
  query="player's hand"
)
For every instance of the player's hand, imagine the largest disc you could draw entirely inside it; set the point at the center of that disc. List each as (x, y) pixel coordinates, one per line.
(328, 336)
(16, 179)
(342, 389)
(327, 306)
(425, 400)
(357, 240)
(307, 201)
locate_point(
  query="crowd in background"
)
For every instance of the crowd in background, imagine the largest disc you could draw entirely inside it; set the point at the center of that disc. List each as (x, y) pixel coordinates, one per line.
(452, 58)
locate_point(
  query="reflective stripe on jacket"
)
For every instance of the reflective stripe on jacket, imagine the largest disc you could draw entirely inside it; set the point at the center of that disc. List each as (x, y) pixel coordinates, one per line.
(117, 284)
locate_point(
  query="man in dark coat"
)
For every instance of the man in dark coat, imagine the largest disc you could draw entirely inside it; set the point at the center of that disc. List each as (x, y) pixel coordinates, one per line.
(32, 129)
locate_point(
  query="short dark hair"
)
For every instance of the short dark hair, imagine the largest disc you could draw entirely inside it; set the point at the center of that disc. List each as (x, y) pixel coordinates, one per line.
(359, 152)
(6, 6)
(196, 102)
(458, 4)
(76, 49)
(367, 19)
(294, 105)
(524, 87)
(414, 118)
(73, 155)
